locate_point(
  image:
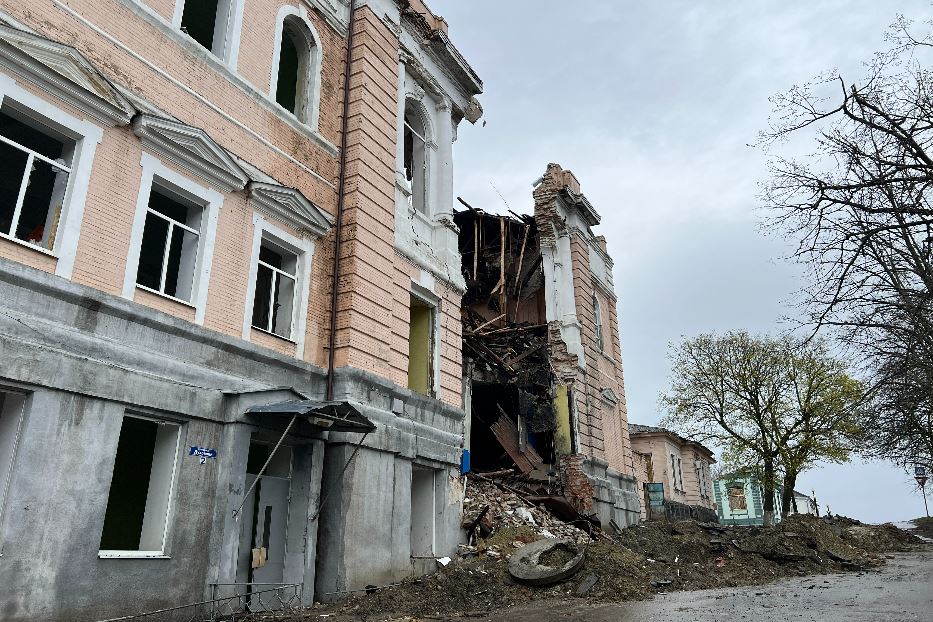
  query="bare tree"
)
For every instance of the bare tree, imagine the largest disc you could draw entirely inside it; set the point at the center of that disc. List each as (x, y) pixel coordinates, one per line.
(860, 208)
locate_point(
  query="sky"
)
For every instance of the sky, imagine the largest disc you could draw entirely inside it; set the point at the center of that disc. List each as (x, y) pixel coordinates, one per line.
(655, 106)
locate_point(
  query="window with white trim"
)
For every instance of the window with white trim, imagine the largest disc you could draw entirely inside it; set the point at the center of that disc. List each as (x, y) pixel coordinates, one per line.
(295, 83)
(136, 520)
(598, 318)
(276, 285)
(414, 158)
(209, 22)
(35, 166)
(169, 251)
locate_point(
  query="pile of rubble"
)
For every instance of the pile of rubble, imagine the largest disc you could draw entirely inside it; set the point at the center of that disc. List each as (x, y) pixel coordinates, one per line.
(650, 558)
(489, 510)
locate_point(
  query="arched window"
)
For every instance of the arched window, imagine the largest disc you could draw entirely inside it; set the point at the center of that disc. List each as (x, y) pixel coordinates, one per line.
(296, 75)
(415, 157)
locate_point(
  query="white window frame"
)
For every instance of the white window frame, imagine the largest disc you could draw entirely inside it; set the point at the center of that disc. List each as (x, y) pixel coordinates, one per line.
(598, 320)
(430, 153)
(154, 171)
(164, 553)
(87, 136)
(303, 248)
(229, 51)
(310, 116)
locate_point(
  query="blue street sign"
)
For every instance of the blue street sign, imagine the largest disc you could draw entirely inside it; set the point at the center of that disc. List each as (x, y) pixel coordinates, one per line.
(203, 453)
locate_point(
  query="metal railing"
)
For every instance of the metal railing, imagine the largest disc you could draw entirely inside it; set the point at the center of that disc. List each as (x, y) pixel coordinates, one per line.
(245, 602)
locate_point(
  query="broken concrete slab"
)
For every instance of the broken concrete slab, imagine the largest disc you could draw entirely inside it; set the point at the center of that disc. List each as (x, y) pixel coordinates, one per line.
(526, 567)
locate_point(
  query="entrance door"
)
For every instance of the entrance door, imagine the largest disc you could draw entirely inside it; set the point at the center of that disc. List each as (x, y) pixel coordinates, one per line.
(269, 523)
(264, 523)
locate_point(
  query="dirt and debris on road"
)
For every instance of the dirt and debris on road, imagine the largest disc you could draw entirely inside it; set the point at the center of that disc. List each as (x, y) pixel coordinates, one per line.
(651, 558)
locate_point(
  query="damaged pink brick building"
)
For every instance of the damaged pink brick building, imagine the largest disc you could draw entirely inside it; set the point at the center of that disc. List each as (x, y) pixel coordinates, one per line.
(545, 391)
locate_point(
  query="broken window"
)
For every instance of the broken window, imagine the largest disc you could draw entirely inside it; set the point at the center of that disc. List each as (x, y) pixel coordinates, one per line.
(35, 164)
(169, 251)
(598, 315)
(421, 347)
(208, 22)
(274, 301)
(141, 487)
(293, 84)
(415, 158)
(422, 511)
(737, 499)
(11, 413)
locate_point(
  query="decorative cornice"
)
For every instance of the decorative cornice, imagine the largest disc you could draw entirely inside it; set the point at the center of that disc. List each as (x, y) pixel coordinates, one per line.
(578, 201)
(335, 12)
(291, 206)
(191, 148)
(65, 73)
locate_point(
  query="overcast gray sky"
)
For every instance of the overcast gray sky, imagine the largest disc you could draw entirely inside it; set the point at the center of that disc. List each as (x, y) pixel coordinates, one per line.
(653, 104)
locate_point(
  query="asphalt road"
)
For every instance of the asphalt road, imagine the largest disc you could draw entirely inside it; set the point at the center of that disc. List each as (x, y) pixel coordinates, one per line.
(902, 591)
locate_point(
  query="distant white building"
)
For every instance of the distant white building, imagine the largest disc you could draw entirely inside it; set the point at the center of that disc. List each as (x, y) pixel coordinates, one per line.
(804, 504)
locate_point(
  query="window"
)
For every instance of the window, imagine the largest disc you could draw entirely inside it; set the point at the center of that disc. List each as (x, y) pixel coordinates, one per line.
(35, 165)
(169, 251)
(737, 499)
(414, 156)
(140, 488)
(11, 413)
(294, 86)
(274, 300)
(421, 347)
(598, 314)
(680, 474)
(208, 22)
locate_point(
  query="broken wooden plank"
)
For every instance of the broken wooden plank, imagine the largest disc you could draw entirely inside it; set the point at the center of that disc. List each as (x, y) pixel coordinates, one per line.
(485, 324)
(507, 435)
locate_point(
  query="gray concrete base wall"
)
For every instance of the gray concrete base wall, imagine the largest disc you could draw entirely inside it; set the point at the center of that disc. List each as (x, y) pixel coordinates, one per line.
(85, 359)
(615, 495)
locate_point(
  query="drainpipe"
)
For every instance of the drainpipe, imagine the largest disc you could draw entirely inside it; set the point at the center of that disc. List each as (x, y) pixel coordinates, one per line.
(341, 192)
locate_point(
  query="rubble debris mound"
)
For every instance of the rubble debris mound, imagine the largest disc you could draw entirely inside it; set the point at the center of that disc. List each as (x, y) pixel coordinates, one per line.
(644, 559)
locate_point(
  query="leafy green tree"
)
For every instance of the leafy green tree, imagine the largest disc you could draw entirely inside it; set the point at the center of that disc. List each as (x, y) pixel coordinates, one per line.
(775, 406)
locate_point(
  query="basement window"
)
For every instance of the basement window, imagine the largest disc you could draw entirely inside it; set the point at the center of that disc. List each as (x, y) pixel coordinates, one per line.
(169, 251)
(136, 520)
(274, 301)
(208, 22)
(35, 165)
(415, 158)
(421, 347)
(11, 415)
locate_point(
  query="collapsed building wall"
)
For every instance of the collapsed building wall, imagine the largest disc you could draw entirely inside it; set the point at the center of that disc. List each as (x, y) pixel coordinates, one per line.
(541, 349)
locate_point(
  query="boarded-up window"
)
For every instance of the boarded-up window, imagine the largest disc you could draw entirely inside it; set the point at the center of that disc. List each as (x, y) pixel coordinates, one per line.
(737, 498)
(421, 347)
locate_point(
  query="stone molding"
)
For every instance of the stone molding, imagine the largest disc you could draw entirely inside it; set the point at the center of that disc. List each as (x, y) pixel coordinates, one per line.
(191, 148)
(291, 206)
(65, 73)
